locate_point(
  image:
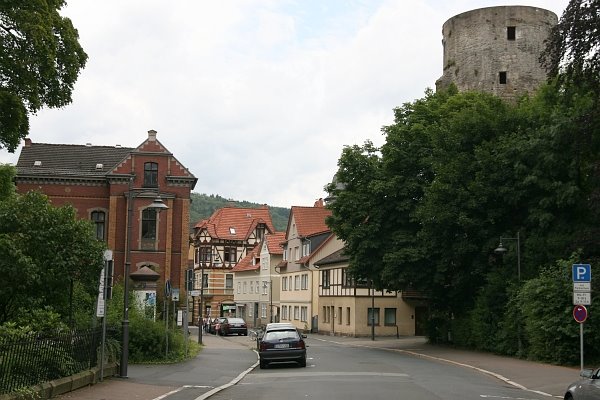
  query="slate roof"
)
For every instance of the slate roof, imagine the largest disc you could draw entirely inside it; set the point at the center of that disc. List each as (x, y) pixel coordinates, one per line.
(242, 220)
(310, 221)
(247, 263)
(336, 257)
(69, 160)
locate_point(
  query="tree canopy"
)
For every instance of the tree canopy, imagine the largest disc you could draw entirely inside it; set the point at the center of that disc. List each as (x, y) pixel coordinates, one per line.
(40, 60)
(457, 172)
(573, 50)
(47, 257)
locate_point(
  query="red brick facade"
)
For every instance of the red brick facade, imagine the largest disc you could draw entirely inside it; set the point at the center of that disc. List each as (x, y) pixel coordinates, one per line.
(101, 179)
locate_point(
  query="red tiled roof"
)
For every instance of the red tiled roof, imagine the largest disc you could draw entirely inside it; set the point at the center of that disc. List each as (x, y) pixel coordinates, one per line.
(310, 220)
(236, 223)
(274, 241)
(247, 263)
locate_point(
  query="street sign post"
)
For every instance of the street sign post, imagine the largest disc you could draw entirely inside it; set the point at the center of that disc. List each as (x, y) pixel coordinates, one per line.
(582, 296)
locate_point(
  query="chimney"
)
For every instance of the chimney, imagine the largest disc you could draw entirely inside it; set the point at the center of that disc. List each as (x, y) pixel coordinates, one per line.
(152, 135)
(319, 203)
(27, 142)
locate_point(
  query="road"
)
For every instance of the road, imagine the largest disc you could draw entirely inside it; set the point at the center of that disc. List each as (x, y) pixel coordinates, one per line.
(339, 372)
(337, 368)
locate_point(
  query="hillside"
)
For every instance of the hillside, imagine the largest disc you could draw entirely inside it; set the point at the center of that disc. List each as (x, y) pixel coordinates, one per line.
(204, 205)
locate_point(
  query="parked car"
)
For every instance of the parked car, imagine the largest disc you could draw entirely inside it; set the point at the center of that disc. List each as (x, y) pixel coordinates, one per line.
(215, 325)
(587, 388)
(233, 325)
(281, 343)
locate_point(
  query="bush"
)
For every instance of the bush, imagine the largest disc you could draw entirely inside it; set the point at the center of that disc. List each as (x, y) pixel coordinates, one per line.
(551, 331)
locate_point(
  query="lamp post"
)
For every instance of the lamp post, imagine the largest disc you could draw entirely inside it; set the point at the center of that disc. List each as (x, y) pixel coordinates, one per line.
(501, 250)
(158, 205)
(269, 286)
(201, 299)
(372, 310)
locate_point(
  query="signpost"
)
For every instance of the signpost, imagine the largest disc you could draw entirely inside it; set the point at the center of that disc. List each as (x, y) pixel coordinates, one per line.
(582, 296)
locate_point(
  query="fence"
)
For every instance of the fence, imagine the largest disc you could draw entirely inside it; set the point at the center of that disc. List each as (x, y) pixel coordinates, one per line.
(42, 357)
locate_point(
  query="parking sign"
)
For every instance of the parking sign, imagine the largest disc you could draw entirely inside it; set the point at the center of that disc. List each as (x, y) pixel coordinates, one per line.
(582, 273)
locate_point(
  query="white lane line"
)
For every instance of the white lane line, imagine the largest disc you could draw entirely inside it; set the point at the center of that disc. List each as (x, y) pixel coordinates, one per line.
(484, 371)
(229, 384)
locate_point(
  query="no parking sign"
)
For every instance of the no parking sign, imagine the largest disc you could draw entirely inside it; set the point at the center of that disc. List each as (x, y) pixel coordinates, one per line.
(580, 313)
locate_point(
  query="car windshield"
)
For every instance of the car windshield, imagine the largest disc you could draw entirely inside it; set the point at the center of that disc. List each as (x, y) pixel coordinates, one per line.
(281, 335)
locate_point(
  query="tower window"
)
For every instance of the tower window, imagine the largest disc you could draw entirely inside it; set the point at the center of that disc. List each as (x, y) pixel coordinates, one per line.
(502, 77)
(511, 32)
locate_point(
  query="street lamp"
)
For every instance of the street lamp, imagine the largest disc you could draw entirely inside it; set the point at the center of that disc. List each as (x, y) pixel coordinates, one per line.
(501, 250)
(158, 205)
(205, 257)
(270, 286)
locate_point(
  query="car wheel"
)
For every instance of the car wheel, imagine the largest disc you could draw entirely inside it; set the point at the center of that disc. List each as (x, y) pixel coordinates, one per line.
(302, 363)
(263, 364)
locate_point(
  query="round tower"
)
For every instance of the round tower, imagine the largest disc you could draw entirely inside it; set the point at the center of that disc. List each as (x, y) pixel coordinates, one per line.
(496, 49)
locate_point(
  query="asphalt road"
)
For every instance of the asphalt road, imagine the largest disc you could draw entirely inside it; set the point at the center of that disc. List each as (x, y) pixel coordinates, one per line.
(338, 368)
(338, 372)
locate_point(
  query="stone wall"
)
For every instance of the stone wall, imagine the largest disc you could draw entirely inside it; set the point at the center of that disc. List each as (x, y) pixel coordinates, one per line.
(496, 49)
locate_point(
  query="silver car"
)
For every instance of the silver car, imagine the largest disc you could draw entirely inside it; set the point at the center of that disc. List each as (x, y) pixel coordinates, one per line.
(587, 388)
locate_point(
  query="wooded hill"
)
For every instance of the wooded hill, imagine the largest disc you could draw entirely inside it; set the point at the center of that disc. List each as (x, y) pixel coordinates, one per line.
(203, 205)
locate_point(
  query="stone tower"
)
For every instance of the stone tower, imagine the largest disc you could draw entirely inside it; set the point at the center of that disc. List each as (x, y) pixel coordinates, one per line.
(496, 50)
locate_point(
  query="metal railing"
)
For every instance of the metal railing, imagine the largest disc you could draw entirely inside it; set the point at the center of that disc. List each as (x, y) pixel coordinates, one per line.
(33, 359)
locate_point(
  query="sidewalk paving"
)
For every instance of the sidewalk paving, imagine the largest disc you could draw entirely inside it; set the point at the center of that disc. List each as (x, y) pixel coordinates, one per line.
(211, 369)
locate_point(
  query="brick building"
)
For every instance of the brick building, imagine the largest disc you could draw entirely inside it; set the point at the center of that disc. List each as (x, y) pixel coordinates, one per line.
(104, 183)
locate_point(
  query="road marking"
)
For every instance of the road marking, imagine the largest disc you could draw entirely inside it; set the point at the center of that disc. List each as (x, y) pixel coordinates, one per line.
(303, 374)
(489, 396)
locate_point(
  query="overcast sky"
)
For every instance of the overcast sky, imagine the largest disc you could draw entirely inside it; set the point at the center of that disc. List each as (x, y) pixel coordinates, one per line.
(255, 97)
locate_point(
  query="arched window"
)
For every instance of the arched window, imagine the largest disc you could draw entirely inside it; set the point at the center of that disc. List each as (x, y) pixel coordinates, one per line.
(150, 174)
(99, 218)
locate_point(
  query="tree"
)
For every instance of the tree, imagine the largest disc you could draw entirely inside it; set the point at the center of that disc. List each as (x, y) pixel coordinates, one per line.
(457, 171)
(40, 60)
(573, 49)
(46, 255)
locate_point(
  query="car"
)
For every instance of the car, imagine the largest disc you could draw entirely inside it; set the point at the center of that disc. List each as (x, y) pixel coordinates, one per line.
(587, 388)
(233, 325)
(281, 343)
(215, 325)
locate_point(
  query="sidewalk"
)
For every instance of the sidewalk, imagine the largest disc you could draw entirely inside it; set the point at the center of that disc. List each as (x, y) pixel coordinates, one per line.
(213, 369)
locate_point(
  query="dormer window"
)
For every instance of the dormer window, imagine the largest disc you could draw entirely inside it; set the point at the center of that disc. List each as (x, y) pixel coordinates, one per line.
(260, 232)
(150, 174)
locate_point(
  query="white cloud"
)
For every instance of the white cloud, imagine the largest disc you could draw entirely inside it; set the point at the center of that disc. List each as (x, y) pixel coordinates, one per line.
(255, 97)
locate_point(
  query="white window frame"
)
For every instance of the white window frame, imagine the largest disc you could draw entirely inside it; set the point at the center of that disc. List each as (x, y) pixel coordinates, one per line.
(304, 283)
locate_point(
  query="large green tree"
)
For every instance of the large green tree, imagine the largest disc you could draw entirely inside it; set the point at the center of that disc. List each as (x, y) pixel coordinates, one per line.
(48, 257)
(40, 60)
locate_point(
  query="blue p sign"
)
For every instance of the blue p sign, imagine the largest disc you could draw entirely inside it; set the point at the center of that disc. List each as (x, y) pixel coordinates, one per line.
(582, 273)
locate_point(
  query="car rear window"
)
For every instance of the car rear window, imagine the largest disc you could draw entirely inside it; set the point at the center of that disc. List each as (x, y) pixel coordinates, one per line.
(282, 334)
(236, 321)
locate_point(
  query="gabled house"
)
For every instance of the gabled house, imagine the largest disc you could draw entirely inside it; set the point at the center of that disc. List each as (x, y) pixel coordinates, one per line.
(351, 307)
(220, 243)
(246, 282)
(306, 232)
(106, 185)
(256, 282)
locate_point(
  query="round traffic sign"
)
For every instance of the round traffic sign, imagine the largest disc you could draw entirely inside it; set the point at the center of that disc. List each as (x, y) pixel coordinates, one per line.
(580, 313)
